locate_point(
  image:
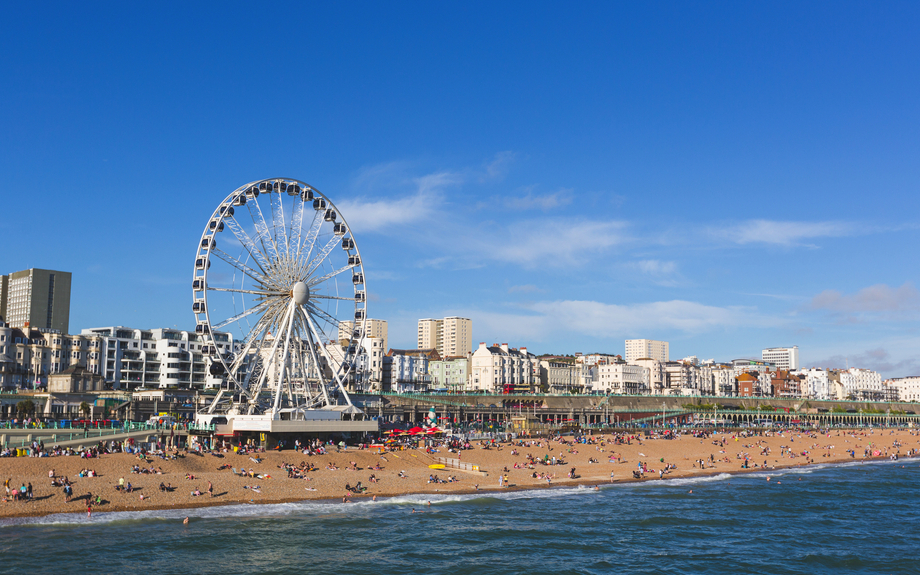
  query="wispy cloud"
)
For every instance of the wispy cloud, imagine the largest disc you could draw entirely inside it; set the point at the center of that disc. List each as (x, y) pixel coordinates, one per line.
(384, 211)
(897, 303)
(498, 167)
(532, 201)
(613, 320)
(656, 267)
(547, 320)
(878, 359)
(549, 242)
(528, 288)
(780, 233)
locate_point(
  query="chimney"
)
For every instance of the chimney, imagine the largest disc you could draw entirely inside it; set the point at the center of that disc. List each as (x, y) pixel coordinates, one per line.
(524, 350)
(505, 347)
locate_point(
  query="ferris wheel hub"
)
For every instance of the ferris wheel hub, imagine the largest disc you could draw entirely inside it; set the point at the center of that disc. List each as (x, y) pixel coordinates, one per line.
(300, 293)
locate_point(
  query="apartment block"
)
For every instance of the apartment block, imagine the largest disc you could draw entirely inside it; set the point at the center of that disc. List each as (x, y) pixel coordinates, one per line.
(373, 328)
(451, 336)
(36, 298)
(782, 357)
(646, 348)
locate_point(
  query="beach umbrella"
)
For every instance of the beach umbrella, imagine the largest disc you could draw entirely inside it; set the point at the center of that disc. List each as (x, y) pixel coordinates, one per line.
(416, 430)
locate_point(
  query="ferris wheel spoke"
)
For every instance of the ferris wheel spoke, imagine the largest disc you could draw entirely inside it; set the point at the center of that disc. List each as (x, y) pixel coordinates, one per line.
(259, 277)
(279, 231)
(321, 256)
(315, 281)
(296, 225)
(249, 291)
(310, 240)
(320, 296)
(256, 309)
(247, 242)
(313, 310)
(262, 230)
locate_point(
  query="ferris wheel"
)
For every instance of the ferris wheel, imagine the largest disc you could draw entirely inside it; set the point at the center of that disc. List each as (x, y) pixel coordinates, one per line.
(280, 301)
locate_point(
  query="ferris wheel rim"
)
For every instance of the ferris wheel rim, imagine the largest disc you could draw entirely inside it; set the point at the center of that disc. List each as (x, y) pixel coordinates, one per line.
(268, 313)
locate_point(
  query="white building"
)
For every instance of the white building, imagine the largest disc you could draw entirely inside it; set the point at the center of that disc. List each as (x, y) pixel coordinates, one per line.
(782, 357)
(862, 383)
(646, 348)
(723, 380)
(559, 377)
(451, 336)
(158, 357)
(370, 363)
(498, 368)
(406, 371)
(588, 373)
(908, 388)
(622, 378)
(656, 377)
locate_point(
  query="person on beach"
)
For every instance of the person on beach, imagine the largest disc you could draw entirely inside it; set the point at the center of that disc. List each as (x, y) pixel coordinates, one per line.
(210, 489)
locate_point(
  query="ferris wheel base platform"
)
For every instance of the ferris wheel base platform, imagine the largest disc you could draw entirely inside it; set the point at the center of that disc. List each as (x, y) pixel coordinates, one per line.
(250, 423)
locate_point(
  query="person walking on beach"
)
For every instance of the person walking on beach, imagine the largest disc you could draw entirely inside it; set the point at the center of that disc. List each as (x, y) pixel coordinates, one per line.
(210, 489)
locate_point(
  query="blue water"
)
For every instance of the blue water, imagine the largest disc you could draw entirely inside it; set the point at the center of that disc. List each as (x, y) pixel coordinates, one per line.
(856, 518)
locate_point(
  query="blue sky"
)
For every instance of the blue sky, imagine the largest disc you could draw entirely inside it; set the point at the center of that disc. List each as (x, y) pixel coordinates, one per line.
(724, 176)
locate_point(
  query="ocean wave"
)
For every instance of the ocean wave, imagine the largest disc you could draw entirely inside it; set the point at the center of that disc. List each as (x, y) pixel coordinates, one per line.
(283, 509)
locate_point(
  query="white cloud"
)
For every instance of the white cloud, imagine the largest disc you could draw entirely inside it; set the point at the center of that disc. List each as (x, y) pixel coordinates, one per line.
(878, 298)
(878, 359)
(545, 202)
(548, 320)
(383, 212)
(783, 233)
(656, 267)
(498, 167)
(610, 320)
(550, 242)
(528, 288)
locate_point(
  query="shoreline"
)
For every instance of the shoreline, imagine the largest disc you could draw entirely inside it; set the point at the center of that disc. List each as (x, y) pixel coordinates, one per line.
(280, 489)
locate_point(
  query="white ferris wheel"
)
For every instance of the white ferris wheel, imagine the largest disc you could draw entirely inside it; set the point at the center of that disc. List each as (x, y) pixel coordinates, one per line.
(278, 270)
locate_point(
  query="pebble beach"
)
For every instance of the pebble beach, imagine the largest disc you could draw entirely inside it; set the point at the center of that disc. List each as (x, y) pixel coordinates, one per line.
(600, 459)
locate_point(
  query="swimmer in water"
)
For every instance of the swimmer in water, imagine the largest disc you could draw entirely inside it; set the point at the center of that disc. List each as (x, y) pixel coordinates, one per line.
(185, 521)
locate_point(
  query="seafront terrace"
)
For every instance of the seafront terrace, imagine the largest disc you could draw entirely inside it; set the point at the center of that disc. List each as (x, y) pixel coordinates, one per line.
(67, 436)
(643, 410)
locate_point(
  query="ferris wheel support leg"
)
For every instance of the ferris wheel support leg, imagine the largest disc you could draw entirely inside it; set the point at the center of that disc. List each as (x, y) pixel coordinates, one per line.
(275, 343)
(312, 344)
(215, 401)
(335, 374)
(284, 360)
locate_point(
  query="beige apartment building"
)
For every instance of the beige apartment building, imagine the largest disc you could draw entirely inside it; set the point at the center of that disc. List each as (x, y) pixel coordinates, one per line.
(451, 336)
(36, 298)
(646, 348)
(373, 328)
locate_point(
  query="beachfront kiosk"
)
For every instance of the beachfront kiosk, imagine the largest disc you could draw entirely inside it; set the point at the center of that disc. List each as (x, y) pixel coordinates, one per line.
(278, 268)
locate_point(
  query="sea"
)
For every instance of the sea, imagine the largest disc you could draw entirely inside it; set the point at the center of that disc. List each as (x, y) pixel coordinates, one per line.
(859, 517)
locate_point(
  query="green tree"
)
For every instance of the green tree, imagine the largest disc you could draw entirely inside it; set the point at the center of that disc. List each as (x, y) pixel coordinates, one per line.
(85, 409)
(25, 407)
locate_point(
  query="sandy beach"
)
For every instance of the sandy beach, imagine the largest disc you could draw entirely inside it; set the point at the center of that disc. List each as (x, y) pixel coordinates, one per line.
(602, 460)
